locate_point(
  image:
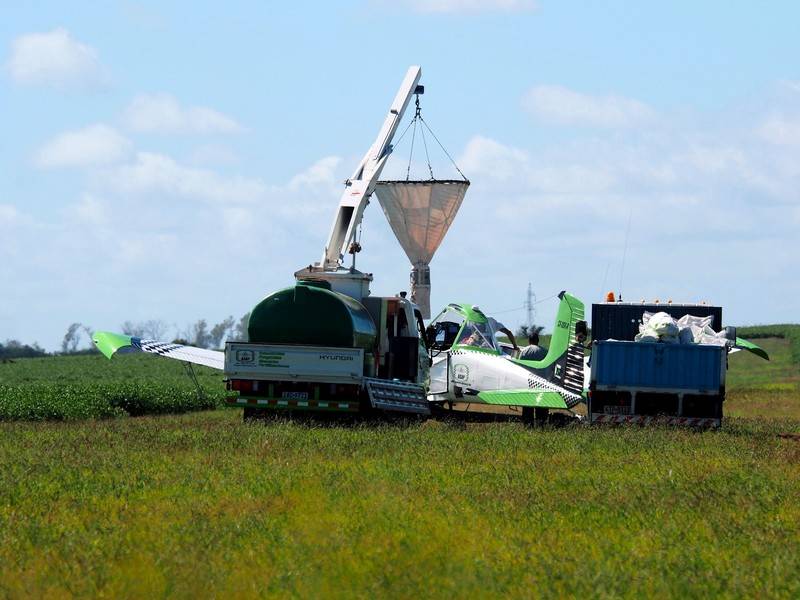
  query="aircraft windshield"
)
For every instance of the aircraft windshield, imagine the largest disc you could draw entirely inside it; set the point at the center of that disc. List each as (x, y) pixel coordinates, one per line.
(477, 335)
(444, 329)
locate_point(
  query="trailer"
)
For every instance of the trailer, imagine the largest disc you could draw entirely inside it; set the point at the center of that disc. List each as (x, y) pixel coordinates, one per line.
(643, 383)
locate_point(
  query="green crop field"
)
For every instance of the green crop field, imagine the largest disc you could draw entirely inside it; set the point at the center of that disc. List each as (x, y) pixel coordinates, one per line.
(90, 386)
(202, 504)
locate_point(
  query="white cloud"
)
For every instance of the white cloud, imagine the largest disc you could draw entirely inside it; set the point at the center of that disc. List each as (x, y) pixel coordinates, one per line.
(90, 211)
(471, 6)
(714, 157)
(780, 129)
(791, 85)
(213, 154)
(485, 157)
(157, 173)
(162, 113)
(147, 248)
(96, 144)
(702, 189)
(8, 214)
(557, 104)
(321, 173)
(56, 59)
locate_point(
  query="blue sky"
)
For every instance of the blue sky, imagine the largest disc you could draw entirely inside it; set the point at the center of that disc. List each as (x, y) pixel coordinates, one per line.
(178, 161)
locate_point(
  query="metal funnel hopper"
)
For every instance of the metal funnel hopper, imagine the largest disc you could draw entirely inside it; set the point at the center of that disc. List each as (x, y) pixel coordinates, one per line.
(420, 213)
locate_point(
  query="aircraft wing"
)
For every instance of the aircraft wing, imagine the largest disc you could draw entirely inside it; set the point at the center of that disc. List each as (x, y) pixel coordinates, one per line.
(743, 344)
(526, 397)
(114, 343)
(542, 394)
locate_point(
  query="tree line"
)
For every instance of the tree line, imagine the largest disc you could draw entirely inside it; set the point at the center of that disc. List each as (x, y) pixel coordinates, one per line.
(78, 337)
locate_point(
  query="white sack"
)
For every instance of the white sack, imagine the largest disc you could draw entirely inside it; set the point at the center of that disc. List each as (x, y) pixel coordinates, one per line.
(689, 329)
(660, 323)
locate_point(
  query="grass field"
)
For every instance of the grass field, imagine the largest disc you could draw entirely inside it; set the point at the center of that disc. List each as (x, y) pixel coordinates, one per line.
(90, 386)
(202, 504)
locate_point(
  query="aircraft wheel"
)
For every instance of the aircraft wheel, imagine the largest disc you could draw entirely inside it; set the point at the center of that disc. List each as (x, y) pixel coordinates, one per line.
(534, 416)
(527, 415)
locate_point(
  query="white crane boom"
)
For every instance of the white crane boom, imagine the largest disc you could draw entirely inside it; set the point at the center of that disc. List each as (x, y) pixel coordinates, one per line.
(360, 186)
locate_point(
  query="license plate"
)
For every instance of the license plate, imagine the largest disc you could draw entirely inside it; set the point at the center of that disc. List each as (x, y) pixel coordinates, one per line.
(617, 410)
(294, 395)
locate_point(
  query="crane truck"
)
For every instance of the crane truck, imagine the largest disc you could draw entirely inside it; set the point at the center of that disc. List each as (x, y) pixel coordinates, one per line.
(326, 344)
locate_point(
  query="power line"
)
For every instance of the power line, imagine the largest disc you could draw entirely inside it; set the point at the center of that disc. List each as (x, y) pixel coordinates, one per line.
(523, 307)
(500, 312)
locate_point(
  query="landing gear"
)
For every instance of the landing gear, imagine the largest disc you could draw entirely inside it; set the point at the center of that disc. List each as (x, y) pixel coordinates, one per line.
(535, 416)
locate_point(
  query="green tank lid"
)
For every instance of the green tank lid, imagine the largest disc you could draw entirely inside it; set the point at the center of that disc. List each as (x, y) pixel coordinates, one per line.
(320, 283)
(310, 315)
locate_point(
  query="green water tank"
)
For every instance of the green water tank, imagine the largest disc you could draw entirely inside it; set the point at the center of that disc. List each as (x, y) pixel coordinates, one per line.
(310, 314)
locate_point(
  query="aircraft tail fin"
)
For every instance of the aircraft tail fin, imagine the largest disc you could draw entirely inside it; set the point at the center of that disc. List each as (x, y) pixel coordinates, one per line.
(571, 339)
(563, 363)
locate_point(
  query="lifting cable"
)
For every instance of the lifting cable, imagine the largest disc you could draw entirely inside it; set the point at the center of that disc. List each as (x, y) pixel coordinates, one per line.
(424, 122)
(418, 118)
(411, 153)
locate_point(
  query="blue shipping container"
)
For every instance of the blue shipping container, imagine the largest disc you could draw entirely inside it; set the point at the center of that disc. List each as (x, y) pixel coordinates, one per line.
(640, 365)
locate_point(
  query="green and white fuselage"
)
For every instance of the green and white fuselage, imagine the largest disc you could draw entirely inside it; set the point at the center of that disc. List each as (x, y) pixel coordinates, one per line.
(469, 365)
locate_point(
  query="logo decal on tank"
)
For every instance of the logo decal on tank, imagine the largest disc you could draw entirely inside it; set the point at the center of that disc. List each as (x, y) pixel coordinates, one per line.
(245, 357)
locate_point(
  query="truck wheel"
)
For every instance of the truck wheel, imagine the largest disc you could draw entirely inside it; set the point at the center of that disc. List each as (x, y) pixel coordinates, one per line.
(250, 414)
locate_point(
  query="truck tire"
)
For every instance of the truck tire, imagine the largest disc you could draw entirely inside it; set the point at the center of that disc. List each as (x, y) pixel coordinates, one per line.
(251, 414)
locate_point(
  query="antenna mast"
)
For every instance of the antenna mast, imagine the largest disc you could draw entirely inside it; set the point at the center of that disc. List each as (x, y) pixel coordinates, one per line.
(530, 303)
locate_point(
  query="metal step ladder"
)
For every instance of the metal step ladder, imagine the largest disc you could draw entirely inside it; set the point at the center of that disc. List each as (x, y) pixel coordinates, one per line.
(397, 396)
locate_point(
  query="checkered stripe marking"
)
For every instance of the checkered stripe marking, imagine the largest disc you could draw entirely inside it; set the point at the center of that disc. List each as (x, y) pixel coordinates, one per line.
(201, 356)
(539, 383)
(155, 347)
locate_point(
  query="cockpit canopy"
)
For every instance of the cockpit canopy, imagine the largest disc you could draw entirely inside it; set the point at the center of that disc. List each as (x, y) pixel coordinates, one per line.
(461, 325)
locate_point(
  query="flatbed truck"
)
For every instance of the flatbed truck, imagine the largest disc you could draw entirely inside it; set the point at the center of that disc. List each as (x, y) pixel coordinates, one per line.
(643, 383)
